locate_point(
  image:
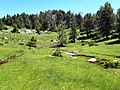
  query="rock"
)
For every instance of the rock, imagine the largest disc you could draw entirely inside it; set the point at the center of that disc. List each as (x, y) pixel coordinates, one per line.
(92, 60)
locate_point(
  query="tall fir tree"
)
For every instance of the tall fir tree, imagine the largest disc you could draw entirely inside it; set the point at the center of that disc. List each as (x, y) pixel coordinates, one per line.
(62, 38)
(105, 19)
(73, 32)
(88, 24)
(118, 22)
(1, 25)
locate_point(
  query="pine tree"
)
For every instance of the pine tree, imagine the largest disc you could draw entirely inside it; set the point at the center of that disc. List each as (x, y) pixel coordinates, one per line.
(118, 22)
(105, 19)
(88, 24)
(73, 27)
(1, 25)
(15, 29)
(78, 20)
(62, 39)
(73, 34)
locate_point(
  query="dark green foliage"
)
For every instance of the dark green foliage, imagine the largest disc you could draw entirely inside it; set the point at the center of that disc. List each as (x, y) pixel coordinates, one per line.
(88, 24)
(57, 52)
(32, 42)
(78, 20)
(62, 39)
(48, 20)
(73, 28)
(111, 65)
(118, 22)
(105, 18)
(45, 26)
(82, 42)
(15, 29)
(1, 25)
(68, 18)
(38, 30)
(5, 28)
(73, 34)
(100, 24)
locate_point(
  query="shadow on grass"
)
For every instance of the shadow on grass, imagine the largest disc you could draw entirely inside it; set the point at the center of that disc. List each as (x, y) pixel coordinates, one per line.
(101, 40)
(113, 42)
(87, 37)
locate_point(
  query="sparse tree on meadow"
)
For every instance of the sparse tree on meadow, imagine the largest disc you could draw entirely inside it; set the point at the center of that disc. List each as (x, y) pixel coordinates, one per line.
(62, 39)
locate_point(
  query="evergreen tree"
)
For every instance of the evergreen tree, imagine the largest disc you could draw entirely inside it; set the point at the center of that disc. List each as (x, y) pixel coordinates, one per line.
(78, 20)
(105, 19)
(1, 25)
(73, 34)
(45, 25)
(68, 19)
(62, 40)
(88, 24)
(118, 22)
(15, 29)
(73, 28)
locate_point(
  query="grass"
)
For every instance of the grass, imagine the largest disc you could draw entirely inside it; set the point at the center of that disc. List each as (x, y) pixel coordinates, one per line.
(36, 69)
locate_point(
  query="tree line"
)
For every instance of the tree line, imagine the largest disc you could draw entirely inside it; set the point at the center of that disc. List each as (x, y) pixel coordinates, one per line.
(101, 24)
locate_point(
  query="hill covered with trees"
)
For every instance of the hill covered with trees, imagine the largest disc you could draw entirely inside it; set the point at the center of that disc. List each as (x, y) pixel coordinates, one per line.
(104, 23)
(69, 52)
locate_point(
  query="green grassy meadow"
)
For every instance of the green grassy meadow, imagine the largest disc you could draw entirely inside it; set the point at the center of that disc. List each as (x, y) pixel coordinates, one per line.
(37, 69)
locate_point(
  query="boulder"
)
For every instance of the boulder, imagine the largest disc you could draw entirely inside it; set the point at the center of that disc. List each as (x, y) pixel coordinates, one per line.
(92, 60)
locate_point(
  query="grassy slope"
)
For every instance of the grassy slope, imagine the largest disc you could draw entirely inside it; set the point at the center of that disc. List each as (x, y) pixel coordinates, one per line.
(37, 70)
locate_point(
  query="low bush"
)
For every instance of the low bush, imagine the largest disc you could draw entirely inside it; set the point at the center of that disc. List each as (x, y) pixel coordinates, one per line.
(5, 28)
(111, 65)
(32, 42)
(57, 52)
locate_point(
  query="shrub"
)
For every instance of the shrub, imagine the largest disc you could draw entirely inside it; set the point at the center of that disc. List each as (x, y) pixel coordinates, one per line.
(1, 25)
(111, 65)
(15, 29)
(32, 42)
(57, 53)
(5, 28)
